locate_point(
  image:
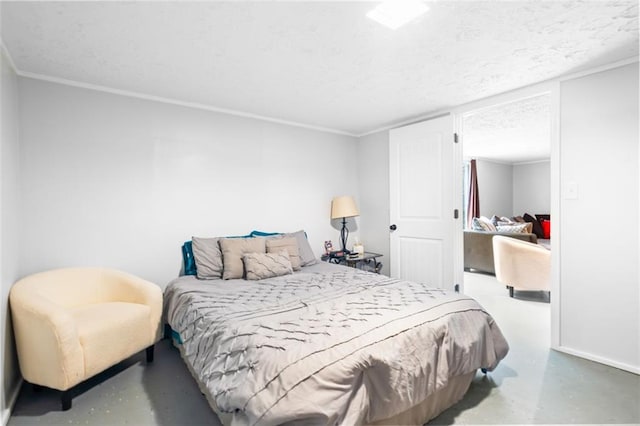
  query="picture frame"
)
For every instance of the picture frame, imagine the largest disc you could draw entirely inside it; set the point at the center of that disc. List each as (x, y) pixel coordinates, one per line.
(328, 246)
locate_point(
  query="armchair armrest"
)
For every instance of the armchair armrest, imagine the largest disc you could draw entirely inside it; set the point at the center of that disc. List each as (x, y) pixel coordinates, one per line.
(125, 287)
(47, 339)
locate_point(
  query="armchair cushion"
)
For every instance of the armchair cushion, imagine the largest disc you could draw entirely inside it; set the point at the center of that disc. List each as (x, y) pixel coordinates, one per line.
(109, 331)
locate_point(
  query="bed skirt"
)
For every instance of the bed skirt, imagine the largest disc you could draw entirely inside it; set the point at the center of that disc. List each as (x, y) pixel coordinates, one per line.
(435, 404)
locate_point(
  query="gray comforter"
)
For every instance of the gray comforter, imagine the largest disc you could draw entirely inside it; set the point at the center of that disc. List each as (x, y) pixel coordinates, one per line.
(327, 345)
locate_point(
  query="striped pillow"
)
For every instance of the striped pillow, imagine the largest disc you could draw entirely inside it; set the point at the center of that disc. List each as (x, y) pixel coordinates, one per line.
(519, 228)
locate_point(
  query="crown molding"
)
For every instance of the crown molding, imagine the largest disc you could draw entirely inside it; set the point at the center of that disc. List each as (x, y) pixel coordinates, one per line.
(194, 105)
(492, 160)
(524, 163)
(7, 54)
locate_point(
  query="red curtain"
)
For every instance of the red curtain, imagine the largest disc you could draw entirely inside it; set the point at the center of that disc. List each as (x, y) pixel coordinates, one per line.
(473, 204)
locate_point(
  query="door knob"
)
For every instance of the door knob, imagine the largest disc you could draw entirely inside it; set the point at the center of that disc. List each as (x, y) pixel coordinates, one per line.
(393, 227)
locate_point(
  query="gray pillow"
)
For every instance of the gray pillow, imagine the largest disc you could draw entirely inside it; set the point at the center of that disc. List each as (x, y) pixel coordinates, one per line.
(266, 265)
(232, 251)
(290, 244)
(208, 257)
(306, 253)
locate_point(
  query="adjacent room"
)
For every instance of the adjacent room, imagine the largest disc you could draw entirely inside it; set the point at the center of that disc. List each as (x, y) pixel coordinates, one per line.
(256, 212)
(507, 192)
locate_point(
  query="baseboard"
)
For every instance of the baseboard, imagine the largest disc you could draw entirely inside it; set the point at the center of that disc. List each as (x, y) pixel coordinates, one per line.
(6, 413)
(619, 365)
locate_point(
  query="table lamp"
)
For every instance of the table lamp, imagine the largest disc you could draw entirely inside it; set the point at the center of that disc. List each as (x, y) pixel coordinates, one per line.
(344, 207)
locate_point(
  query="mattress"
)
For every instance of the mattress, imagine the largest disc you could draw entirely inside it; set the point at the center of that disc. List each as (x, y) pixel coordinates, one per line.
(327, 345)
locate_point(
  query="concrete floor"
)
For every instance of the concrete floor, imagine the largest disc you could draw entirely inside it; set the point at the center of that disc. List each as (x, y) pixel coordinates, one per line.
(532, 385)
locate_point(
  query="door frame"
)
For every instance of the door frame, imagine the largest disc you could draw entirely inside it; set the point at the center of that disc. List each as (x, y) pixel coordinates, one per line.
(553, 89)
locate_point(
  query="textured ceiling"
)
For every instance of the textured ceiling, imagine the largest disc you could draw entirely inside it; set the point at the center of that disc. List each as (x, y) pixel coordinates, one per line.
(512, 132)
(317, 63)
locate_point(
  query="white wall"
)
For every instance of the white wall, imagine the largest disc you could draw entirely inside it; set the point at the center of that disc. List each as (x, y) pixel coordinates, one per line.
(373, 182)
(123, 182)
(495, 185)
(599, 309)
(532, 188)
(9, 236)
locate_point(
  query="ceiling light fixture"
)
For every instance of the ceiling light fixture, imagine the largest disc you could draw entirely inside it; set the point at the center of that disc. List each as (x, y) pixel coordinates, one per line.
(395, 13)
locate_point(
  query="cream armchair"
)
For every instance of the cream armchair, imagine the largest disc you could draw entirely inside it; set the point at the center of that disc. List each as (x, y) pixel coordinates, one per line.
(521, 265)
(71, 324)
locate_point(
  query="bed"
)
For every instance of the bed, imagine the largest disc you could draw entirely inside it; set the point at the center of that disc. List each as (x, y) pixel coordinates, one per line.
(329, 345)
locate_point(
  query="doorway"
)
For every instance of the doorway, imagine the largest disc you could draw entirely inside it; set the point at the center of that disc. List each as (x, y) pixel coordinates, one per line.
(510, 140)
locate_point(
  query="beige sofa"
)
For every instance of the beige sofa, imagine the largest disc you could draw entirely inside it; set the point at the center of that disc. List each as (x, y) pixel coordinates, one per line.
(71, 324)
(478, 248)
(521, 265)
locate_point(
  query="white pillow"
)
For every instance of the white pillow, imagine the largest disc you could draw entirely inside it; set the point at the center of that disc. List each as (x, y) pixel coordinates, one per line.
(489, 225)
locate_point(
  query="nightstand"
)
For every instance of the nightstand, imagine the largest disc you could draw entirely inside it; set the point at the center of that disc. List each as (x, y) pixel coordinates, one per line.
(366, 261)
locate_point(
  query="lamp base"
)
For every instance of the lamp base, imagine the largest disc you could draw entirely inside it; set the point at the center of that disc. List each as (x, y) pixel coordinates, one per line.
(344, 235)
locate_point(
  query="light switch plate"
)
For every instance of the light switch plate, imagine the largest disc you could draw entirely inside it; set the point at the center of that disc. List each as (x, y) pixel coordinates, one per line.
(570, 191)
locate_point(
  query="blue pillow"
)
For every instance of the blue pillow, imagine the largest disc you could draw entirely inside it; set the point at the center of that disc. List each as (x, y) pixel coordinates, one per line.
(263, 234)
(188, 259)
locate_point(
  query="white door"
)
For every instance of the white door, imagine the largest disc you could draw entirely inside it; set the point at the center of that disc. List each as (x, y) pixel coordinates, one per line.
(422, 202)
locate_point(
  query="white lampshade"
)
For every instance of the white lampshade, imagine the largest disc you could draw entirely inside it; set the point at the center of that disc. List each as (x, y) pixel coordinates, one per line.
(344, 206)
